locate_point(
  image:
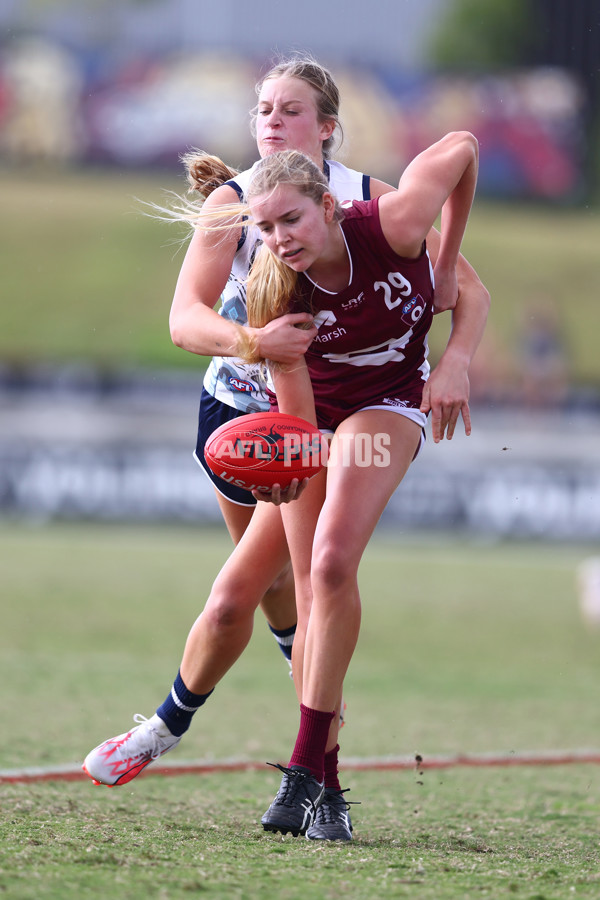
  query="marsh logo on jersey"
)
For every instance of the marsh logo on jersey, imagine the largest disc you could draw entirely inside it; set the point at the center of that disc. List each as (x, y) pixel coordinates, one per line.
(412, 310)
(324, 317)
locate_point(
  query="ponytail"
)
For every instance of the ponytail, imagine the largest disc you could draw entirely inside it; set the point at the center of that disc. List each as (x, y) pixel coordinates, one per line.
(205, 173)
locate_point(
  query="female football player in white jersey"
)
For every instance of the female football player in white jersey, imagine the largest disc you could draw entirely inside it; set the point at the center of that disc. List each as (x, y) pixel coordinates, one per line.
(297, 106)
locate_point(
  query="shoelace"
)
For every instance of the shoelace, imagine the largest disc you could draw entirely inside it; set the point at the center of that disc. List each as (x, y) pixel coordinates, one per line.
(149, 736)
(291, 787)
(334, 798)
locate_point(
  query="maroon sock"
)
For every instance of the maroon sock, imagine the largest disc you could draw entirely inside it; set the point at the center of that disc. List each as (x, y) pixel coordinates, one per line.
(331, 769)
(309, 751)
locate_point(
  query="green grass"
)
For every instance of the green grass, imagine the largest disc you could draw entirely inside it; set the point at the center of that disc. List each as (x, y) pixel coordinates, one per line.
(90, 278)
(529, 256)
(461, 835)
(464, 648)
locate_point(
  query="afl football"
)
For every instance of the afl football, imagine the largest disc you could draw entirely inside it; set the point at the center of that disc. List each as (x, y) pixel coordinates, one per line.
(258, 450)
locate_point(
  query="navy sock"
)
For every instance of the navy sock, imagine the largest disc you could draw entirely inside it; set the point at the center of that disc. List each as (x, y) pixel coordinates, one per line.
(285, 639)
(179, 707)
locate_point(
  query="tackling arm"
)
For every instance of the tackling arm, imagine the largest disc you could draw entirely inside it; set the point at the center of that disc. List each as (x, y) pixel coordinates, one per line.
(446, 394)
(194, 323)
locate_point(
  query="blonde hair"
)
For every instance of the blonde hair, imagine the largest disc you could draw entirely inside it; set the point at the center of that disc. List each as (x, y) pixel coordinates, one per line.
(304, 67)
(271, 284)
(205, 173)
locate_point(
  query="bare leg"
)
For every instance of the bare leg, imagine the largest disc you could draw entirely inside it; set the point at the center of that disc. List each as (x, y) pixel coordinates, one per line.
(278, 602)
(222, 631)
(300, 524)
(356, 497)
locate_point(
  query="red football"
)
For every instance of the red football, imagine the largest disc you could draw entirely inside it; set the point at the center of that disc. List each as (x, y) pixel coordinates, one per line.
(262, 449)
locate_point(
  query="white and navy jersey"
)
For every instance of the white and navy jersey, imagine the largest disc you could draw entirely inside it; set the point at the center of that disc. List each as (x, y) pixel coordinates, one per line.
(233, 381)
(371, 347)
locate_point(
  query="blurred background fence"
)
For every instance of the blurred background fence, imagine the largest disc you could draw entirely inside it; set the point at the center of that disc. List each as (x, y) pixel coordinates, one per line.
(97, 102)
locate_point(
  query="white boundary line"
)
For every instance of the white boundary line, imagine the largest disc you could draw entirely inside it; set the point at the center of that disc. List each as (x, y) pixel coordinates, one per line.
(375, 763)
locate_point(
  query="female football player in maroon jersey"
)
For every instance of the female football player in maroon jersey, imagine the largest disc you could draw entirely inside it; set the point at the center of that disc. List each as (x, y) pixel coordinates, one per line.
(363, 272)
(297, 108)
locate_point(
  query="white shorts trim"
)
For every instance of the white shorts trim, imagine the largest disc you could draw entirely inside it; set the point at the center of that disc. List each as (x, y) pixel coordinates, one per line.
(415, 415)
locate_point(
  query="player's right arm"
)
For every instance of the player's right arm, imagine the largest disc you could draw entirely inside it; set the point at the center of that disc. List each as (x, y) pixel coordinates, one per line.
(194, 323)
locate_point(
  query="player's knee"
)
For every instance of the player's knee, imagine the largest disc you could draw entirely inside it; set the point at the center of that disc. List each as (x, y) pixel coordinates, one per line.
(333, 568)
(224, 615)
(229, 608)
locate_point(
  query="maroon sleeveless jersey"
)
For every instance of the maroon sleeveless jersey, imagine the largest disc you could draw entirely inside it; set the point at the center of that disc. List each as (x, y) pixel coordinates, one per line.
(372, 342)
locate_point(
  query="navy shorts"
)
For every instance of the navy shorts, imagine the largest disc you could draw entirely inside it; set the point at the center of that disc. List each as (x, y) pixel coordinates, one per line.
(212, 414)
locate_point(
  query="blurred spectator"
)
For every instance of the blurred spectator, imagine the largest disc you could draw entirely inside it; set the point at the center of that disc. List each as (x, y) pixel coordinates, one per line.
(588, 581)
(42, 87)
(491, 372)
(543, 362)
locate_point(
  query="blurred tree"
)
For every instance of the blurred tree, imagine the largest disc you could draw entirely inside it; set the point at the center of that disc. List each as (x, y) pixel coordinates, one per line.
(570, 33)
(485, 34)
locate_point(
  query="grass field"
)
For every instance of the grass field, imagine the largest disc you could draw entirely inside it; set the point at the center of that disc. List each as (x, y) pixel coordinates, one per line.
(90, 278)
(464, 648)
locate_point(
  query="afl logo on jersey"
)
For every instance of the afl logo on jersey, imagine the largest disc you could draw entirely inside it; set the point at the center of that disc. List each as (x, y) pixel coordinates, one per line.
(412, 310)
(241, 385)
